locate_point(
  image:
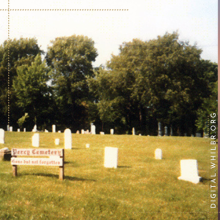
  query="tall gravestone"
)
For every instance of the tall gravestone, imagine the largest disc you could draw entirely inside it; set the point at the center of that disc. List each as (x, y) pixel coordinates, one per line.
(171, 131)
(34, 128)
(54, 128)
(82, 131)
(133, 131)
(111, 131)
(111, 157)
(159, 129)
(24, 130)
(166, 131)
(8, 128)
(67, 139)
(93, 129)
(189, 171)
(36, 140)
(2, 136)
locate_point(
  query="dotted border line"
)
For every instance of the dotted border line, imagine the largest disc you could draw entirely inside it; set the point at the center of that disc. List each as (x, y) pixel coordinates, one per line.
(8, 65)
(64, 9)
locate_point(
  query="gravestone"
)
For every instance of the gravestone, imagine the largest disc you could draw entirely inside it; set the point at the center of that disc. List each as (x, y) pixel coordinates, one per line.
(82, 131)
(111, 131)
(87, 145)
(189, 171)
(171, 131)
(8, 128)
(133, 131)
(18, 130)
(77, 132)
(2, 136)
(46, 130)
(57, 141)
(24, 130)
(166, 131)
(93, 129)
(111, 157)
(139, 134)
(102, 133)
(34, 128)
(159, 129)
(67, 139)
(158, 154)
(36, 140)
(11, 128)
(59, 131)
(54, 128)
(87, 132)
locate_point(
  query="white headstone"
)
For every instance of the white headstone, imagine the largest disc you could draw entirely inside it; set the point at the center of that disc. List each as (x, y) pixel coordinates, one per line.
(18, 130)
(93, 129)
(158, 154)
(57, 141)
(54, 128)
(77, 132)
(87, 132)
(2, 136)
(87, 145)
(46, 130)
(59, 131)
(102, 133)
(36, 140)
(8, 128)
(111, 131)
(11, 128)
(82, 131)
(133, 131)
(111, 157)
(67, 139)
(24, 129)
(34, 128)
(189, 171)
(139, 134)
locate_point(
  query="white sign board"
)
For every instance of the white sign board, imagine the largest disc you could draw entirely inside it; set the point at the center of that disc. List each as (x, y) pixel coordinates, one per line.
(37, 161)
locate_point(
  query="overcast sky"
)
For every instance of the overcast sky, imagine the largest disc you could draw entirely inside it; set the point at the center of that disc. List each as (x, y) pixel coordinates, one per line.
(195, 20)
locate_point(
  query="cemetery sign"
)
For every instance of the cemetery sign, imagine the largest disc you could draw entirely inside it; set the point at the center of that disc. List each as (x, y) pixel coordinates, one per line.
(56, 158)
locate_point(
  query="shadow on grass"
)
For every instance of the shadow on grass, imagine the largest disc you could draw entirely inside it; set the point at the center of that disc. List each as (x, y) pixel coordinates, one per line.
(71, 178)
(204, 180)
(124, 166)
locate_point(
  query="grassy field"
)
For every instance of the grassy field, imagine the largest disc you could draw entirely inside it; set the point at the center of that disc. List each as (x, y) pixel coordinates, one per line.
(140, 188)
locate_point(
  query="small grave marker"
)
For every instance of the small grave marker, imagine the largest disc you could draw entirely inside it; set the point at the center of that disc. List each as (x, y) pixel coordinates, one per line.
(57, 141)
(36, 140)
(158, 154)
(189, 171)
(111, 157)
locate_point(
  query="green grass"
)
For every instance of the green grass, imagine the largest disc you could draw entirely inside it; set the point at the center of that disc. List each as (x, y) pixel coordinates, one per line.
(140, 188)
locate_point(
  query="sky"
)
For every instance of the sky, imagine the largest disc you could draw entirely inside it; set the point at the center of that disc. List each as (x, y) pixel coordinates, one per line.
(195, 20)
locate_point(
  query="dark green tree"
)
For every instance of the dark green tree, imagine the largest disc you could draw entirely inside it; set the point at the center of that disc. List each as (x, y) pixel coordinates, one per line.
(71, 60)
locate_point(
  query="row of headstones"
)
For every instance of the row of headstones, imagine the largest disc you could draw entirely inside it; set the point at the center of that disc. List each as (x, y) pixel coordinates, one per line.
(189, 168)
(160, 133)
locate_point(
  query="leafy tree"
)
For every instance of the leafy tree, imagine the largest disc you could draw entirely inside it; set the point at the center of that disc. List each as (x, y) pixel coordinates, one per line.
(71, 60)
(19, 51)
(32, 92)
(157, 80)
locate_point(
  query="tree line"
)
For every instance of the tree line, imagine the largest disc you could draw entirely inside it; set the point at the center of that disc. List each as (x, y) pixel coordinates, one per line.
(160, 80)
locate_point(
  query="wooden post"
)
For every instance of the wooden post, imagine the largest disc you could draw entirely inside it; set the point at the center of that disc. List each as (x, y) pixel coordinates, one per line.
(14, 170)
(61, 168)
